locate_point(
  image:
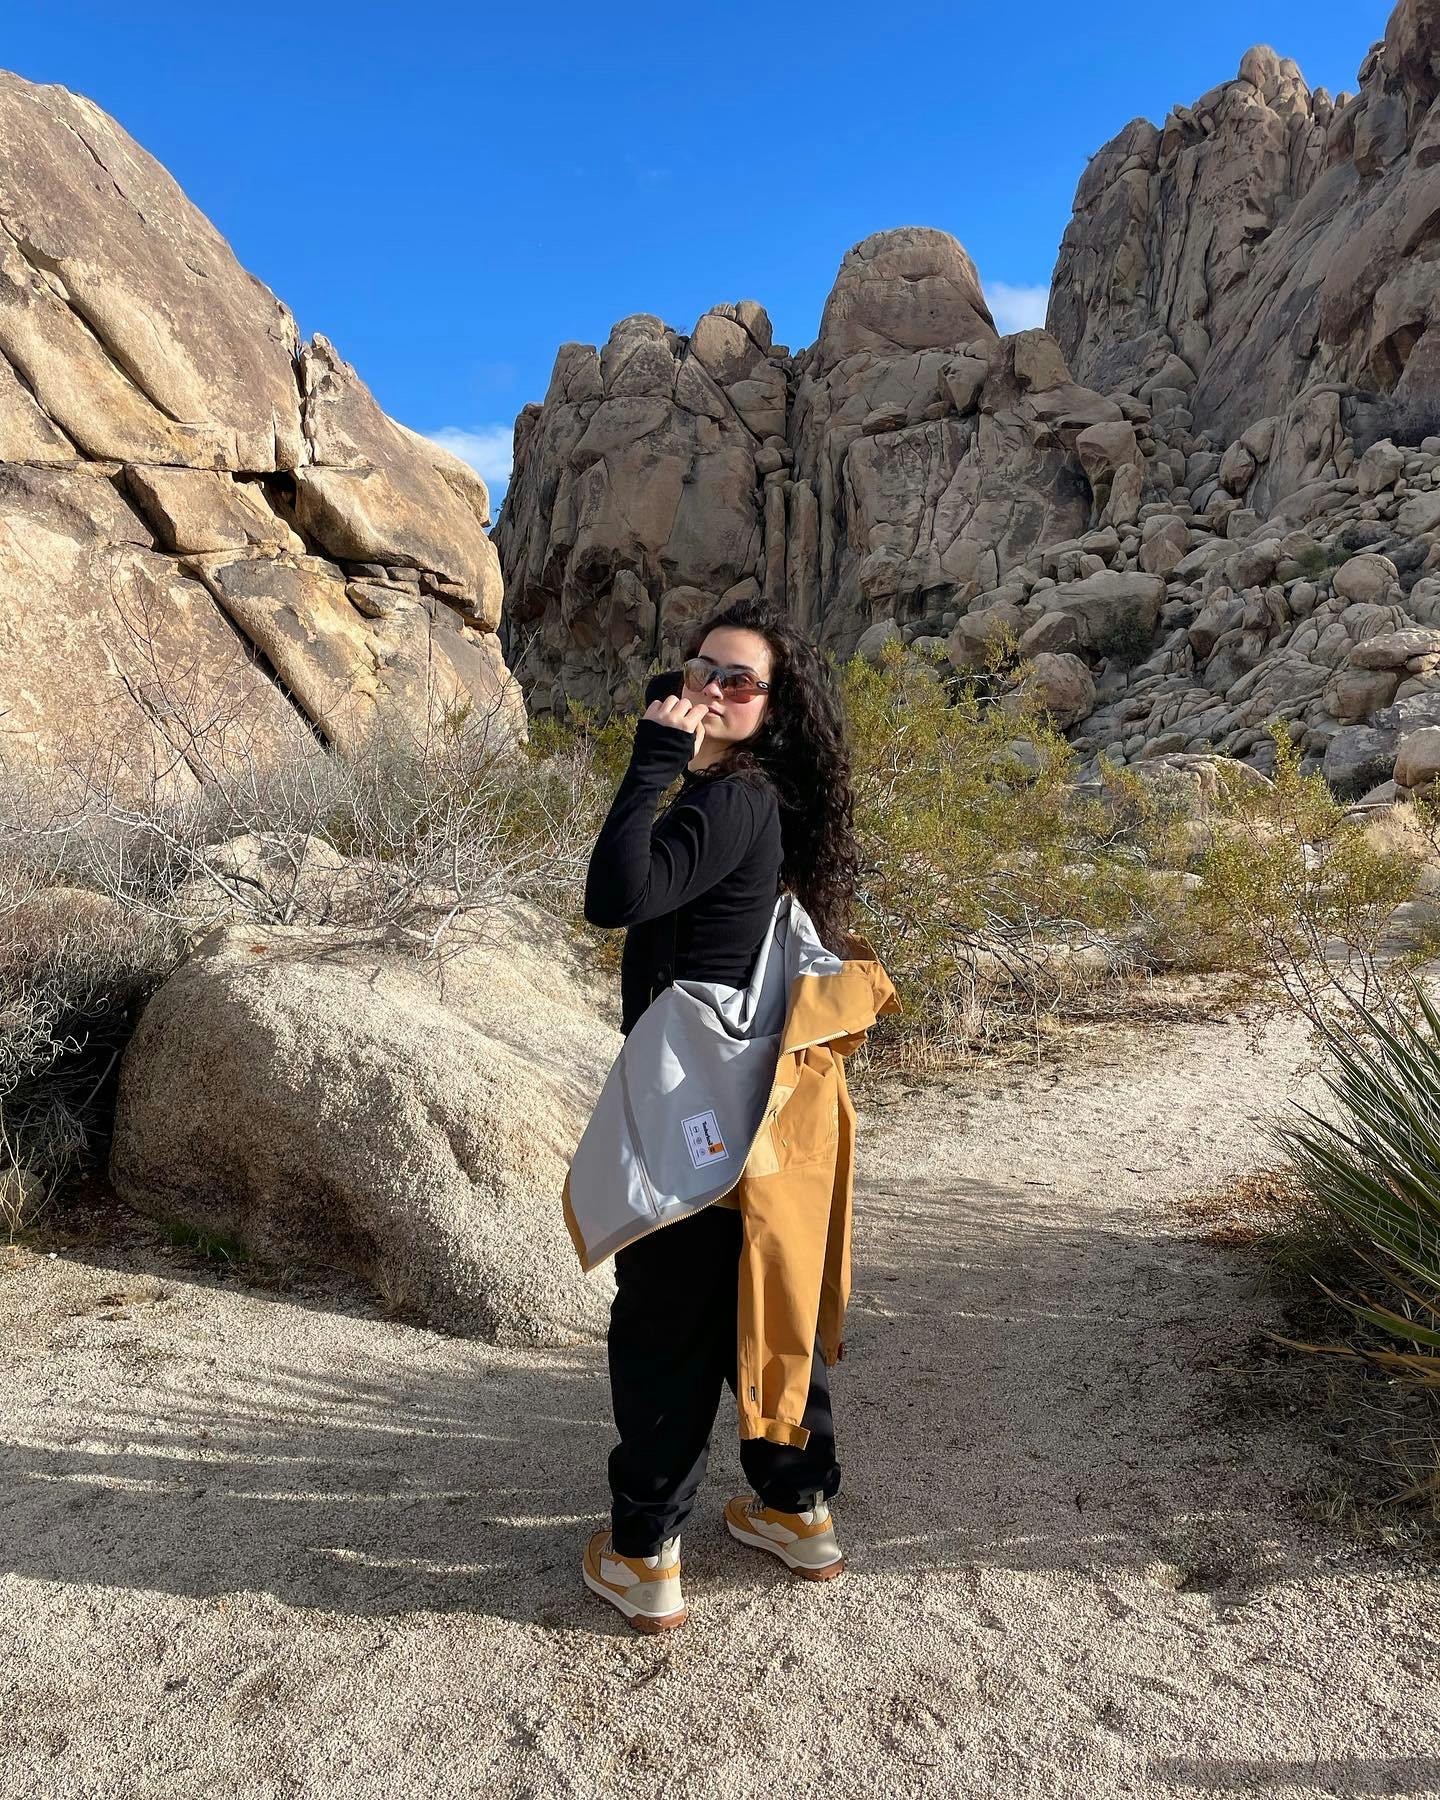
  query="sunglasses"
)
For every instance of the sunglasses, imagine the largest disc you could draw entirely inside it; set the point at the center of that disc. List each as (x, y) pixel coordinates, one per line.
(735, 683)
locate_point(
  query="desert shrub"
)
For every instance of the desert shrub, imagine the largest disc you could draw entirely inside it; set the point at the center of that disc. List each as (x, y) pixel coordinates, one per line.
(1372, 1166)
(1298, 898)
(1125, 642)
(73, 970)
(574, 766)
(990, 888)
(1155, 814)
(1316, 561)
(1004, 665)
(404, 839)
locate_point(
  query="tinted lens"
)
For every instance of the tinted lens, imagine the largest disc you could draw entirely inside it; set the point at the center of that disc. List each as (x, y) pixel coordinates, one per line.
(737, 684)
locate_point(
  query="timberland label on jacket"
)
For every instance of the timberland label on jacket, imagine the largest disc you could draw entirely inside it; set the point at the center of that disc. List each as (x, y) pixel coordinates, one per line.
(702, 1135)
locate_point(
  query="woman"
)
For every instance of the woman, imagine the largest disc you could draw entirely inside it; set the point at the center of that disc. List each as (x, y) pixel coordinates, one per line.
(764, 804)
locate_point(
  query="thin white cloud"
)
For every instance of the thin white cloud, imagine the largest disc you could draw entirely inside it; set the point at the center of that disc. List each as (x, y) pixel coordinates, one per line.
(489, 450)
(647, 174)
(1016, 308)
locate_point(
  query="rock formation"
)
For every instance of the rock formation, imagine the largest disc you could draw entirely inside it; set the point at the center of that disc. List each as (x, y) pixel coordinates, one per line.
(212, 541)
(311, 1095)
(897, 468)
(635, 496)
(1266, 241)
(1205, 500)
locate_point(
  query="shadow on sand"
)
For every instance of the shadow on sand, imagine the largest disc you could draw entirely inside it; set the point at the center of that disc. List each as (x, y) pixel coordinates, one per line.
(1021, 1390)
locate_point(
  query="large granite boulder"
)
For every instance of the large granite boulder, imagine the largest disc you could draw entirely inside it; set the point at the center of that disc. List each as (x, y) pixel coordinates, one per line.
(899, 291)
(133, 331)
(316, 1097)
(180, 478)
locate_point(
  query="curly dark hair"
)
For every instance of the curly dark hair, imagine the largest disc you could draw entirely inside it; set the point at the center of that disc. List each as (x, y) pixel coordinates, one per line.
(800, 750)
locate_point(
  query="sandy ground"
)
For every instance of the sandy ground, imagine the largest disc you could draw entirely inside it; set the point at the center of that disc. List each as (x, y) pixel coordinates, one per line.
(271, 1544)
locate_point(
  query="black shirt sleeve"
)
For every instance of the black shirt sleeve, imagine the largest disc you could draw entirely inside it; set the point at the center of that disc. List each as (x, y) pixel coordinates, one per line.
(641, 869)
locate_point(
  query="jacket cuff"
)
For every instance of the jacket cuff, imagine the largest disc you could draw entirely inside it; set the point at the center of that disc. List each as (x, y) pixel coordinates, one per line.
(659, 751)
(774, 1431)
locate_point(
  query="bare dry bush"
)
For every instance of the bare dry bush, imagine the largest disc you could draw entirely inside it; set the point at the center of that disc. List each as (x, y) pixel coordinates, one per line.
(112, 863)
(72, 970)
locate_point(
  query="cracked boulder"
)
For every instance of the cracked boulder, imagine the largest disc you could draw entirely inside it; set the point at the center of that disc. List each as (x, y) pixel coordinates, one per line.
(354, 677)
(109, 649)
(318, 1099)
(123, 312)
(376, 492)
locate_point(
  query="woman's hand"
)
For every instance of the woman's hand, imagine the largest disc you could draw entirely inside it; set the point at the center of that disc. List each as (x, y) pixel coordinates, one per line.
(683, 714)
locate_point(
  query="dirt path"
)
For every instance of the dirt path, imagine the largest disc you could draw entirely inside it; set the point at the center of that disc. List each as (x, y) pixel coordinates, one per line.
(272, 1546)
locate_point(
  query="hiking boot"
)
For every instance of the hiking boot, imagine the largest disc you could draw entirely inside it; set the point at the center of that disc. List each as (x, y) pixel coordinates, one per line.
(804, 1541)
(645, 1588)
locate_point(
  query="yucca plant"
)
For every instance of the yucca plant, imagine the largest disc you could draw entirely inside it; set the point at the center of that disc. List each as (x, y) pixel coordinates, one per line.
(1375, 1169)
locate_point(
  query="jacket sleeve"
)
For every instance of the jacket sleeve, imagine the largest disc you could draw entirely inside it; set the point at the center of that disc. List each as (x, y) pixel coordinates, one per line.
(640, 869)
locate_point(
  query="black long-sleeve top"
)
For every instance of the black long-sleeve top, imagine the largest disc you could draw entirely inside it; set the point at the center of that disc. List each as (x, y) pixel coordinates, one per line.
(712, 860)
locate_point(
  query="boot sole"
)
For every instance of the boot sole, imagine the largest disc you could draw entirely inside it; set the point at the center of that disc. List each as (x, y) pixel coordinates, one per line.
(828, 1573)
(638, 1621)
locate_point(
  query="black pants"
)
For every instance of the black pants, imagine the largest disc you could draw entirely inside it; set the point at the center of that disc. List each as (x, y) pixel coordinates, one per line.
(672, 1347)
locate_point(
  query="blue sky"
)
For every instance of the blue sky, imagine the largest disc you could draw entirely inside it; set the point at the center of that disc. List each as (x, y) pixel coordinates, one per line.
(449, 192)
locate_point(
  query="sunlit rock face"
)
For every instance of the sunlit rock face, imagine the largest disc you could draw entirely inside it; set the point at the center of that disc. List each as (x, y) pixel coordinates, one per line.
(1205, 502)
(214, 542)
(903, 463)
(1266, 240)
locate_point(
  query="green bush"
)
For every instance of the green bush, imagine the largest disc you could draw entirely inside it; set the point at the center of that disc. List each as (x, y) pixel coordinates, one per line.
(1299, 897)
(1316, 561)
(1126, 642)
(993, 891)
(1373, 1168)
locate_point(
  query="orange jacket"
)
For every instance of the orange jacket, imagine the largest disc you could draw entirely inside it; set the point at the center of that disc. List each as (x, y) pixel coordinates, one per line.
(796, 1195)
(721, 1094)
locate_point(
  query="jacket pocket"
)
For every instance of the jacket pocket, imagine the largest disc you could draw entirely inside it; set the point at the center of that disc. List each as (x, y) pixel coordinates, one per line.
(808, 1124)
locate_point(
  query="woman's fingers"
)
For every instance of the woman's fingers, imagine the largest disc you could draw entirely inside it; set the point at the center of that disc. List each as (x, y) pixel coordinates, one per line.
(676, 710)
